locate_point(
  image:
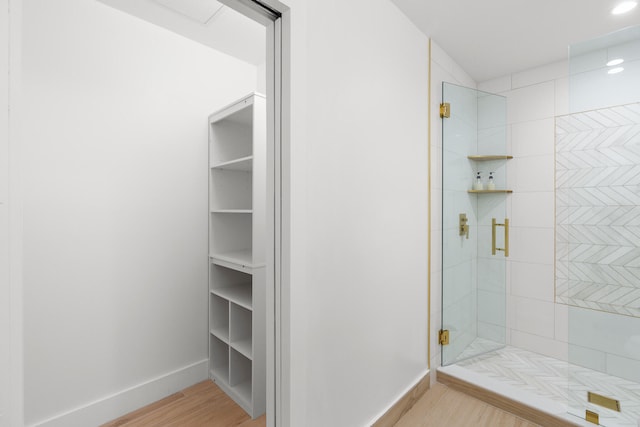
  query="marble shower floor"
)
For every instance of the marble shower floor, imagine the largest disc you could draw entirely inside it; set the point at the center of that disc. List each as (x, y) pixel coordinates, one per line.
(557, 381)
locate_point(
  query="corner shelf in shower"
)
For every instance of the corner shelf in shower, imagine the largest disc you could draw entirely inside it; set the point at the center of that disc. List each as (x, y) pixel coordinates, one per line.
(488, 157)
(489, 191)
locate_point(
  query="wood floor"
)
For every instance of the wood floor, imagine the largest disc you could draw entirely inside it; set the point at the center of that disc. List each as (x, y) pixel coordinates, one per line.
(204, 404)
(443, 406)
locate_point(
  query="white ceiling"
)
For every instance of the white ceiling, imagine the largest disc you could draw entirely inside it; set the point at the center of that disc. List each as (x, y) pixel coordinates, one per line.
(204, 21)
(492, 38)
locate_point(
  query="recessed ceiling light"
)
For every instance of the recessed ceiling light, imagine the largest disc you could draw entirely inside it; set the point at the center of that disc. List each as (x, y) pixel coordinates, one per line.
(616, 70)
(624, 7)
(613, 62)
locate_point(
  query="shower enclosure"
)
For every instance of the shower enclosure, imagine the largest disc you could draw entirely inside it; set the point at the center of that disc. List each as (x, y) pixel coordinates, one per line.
(475, 228)
(594, 374)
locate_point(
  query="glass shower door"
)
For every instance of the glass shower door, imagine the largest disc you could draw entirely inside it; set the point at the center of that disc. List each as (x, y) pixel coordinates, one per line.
(475, 238)
(598, 228)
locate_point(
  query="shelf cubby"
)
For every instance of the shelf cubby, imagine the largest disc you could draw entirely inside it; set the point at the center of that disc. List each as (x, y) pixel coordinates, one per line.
(219, 359)
(230, 189)
(489, 191)
(219, 326)
(240, 375)
(240, 330)
(230, 234)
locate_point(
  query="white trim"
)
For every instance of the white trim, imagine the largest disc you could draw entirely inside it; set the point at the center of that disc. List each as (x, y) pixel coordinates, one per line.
(16, 361)
(420, 377)
(117, 404)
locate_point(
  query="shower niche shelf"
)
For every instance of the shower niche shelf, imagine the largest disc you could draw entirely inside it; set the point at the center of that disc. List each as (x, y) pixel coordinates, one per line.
(488, 157)
(489, 191)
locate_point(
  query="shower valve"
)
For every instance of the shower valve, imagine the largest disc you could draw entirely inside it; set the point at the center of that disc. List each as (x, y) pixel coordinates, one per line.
(464, 227)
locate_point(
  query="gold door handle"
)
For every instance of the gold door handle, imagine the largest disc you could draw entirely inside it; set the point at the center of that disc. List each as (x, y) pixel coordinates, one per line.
(494, 224)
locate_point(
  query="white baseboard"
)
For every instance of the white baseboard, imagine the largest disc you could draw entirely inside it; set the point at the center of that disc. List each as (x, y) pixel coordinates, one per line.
(110, 407)
(403, 402)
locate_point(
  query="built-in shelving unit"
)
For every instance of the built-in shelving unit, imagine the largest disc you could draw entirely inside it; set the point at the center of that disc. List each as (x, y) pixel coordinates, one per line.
(487, 158)
(237, 198)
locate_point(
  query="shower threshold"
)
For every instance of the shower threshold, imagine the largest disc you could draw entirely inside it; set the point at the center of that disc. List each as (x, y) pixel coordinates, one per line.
(541, 389)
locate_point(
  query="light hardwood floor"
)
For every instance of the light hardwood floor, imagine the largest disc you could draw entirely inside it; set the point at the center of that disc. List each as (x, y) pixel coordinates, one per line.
(443, 406)
(204, 404)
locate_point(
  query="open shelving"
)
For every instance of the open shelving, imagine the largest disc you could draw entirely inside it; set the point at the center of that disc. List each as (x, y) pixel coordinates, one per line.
(237, 278)
(488, 158)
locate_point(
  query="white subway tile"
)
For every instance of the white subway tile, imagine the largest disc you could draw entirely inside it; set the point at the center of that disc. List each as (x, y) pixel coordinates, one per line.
(606, 332)
(541, 74)
(533, 317)
(533, 138)
(534, 281)
(491, 275)
(531, 102)
(533, 173)
(532, 245)
(591, 60)
(534, 209)
(587, 358)
(562, 323)
(538, 344)
(491, 307)
(562, 96)
(623, 367)
(492, 332)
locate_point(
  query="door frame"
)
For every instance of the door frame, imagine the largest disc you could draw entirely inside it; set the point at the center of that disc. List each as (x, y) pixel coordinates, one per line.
(277, 19)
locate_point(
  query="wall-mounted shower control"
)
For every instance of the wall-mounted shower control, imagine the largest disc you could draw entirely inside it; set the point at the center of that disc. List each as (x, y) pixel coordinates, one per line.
(464, 227)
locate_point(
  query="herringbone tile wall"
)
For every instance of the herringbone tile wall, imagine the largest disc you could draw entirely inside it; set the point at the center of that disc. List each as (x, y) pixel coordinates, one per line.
(598, 210)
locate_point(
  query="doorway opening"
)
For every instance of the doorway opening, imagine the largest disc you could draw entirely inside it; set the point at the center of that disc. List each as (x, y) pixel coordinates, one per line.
(114, 272)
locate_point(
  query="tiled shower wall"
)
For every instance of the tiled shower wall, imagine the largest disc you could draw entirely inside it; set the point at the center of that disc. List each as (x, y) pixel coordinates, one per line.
(534, 98)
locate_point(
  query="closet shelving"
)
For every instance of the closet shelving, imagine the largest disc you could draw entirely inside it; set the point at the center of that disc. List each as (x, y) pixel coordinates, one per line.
(488, 158)
(237, 198)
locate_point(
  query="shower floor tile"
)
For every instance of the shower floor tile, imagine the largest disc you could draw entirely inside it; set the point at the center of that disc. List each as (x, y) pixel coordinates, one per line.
(559, 381)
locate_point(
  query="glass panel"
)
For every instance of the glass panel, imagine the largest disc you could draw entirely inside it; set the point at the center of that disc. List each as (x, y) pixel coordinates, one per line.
(473, 280)
(597, 226)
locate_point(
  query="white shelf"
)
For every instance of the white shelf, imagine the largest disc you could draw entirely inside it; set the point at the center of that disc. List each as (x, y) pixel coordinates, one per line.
(239, 294)
(489, 157)
(243, 390)
(241, 164)
(232, 211)
(243, 257)
(221, 333)
(489, 191)
(243, 347)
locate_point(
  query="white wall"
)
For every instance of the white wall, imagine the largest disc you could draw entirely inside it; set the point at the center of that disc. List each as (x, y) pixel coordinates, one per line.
(443, 69)
(359, 210)
(115, 195)
(5, 308)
